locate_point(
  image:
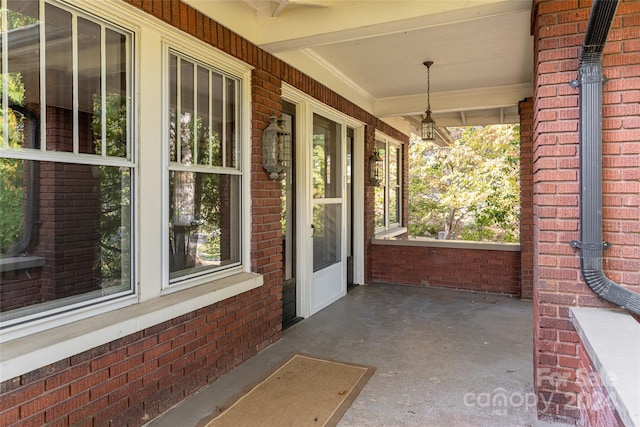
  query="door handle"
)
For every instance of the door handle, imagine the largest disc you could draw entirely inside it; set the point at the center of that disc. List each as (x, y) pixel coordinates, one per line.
(313, 230)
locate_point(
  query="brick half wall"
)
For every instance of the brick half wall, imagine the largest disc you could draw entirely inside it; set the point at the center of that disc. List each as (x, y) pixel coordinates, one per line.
(133, 379)
(481, 270)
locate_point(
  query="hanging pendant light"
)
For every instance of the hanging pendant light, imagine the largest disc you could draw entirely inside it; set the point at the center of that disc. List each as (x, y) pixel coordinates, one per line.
(428, 128)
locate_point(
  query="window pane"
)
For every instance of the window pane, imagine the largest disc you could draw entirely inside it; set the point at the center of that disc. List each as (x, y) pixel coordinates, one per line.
(65, 233)
(173, 108)
(394, 157)
(12, 201)
(116, 103)
(23, 74)
(379, 194)
(59, 77)
(327, 235)
(16, 202)
(393, 205)
(205, 143)
(204, 225)
(80, 245)
(327, 159)
(231, 146)
(89, 89)
(186, 128)
(216, 130)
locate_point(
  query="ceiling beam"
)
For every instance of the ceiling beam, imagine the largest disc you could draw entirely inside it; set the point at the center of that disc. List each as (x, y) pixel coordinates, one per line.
(455, 100)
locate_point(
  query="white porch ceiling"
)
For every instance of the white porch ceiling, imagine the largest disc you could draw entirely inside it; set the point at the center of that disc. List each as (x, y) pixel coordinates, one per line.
(373, 51)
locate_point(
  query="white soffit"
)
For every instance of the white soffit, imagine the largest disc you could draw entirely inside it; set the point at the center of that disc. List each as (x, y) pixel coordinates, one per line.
(372, 51)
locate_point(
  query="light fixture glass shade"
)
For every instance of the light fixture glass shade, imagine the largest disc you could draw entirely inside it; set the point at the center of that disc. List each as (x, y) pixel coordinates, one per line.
(270, 149)
(276, 149)
(284, 145)
(375, 168)
(428, 128)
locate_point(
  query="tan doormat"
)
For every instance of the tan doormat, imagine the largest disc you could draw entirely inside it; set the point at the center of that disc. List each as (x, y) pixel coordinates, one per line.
(304, 391)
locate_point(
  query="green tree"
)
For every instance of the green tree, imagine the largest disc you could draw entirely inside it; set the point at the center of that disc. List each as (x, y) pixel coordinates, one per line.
(470, 188)
(11, 170)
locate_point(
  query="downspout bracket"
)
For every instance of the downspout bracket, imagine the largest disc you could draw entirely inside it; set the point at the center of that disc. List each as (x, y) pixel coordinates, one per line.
(589, 246)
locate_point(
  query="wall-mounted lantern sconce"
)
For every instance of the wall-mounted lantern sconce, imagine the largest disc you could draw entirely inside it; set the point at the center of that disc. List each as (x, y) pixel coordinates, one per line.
(276, 149)
(375, 168)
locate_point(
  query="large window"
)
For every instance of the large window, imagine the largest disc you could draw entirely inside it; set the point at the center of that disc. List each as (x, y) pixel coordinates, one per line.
(388, 196)
(66, 164)
(204, 171)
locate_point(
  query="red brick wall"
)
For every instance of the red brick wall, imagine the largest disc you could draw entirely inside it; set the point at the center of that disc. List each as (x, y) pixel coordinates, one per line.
(470, 269)
(594, 403)
(131, 380)
(558, 27)
(526, 198)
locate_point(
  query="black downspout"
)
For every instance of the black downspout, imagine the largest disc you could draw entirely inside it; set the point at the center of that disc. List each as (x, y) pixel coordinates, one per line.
(590, 81)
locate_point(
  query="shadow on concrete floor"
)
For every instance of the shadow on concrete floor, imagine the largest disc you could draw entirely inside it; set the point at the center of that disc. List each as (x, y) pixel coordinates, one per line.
(443, 357)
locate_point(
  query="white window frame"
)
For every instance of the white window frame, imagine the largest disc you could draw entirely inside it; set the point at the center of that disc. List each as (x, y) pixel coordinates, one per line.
(32, 345)
(208, 62)
(390, 228)
(60, 314)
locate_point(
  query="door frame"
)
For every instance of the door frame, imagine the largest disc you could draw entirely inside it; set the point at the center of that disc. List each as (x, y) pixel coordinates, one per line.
(306, 106)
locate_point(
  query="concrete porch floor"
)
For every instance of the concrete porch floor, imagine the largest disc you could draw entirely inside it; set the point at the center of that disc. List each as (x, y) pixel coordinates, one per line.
(443, 358)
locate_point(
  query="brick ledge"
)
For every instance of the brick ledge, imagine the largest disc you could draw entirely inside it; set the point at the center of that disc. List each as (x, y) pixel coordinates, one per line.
(455, 244)
(611, 338)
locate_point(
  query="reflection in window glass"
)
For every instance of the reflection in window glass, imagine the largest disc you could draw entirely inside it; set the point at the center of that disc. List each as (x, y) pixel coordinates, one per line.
(326, 158)
(204, 231)
(116, 94)
(70, 219)
(380, 190)
(327, 235)
(387, 195)
(204, 205)
(58, 57)
(82, 233)
(393, 185)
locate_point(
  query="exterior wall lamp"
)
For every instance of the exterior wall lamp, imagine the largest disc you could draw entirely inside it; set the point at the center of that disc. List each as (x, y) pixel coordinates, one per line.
(428, 127)
(276, 149)
(375, 168)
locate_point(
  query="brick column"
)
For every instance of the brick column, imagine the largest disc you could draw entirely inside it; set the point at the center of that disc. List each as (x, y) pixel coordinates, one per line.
(558, 29)
(526, 198)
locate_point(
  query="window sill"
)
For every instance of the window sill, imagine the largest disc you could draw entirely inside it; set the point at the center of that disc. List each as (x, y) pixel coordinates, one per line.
(20, 263)
(611, 338)
(34, 351)
(455, 244)
(393, 232)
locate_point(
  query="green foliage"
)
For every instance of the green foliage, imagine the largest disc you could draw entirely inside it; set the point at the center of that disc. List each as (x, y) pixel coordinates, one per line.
(115, 189)
(11, 170)
(11, 196)
(470, 188)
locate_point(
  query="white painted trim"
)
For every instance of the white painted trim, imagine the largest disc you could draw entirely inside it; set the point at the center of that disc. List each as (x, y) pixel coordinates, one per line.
(29, 353)
(391, 229)
(358, 176)
(305, 107)
(210, 60)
